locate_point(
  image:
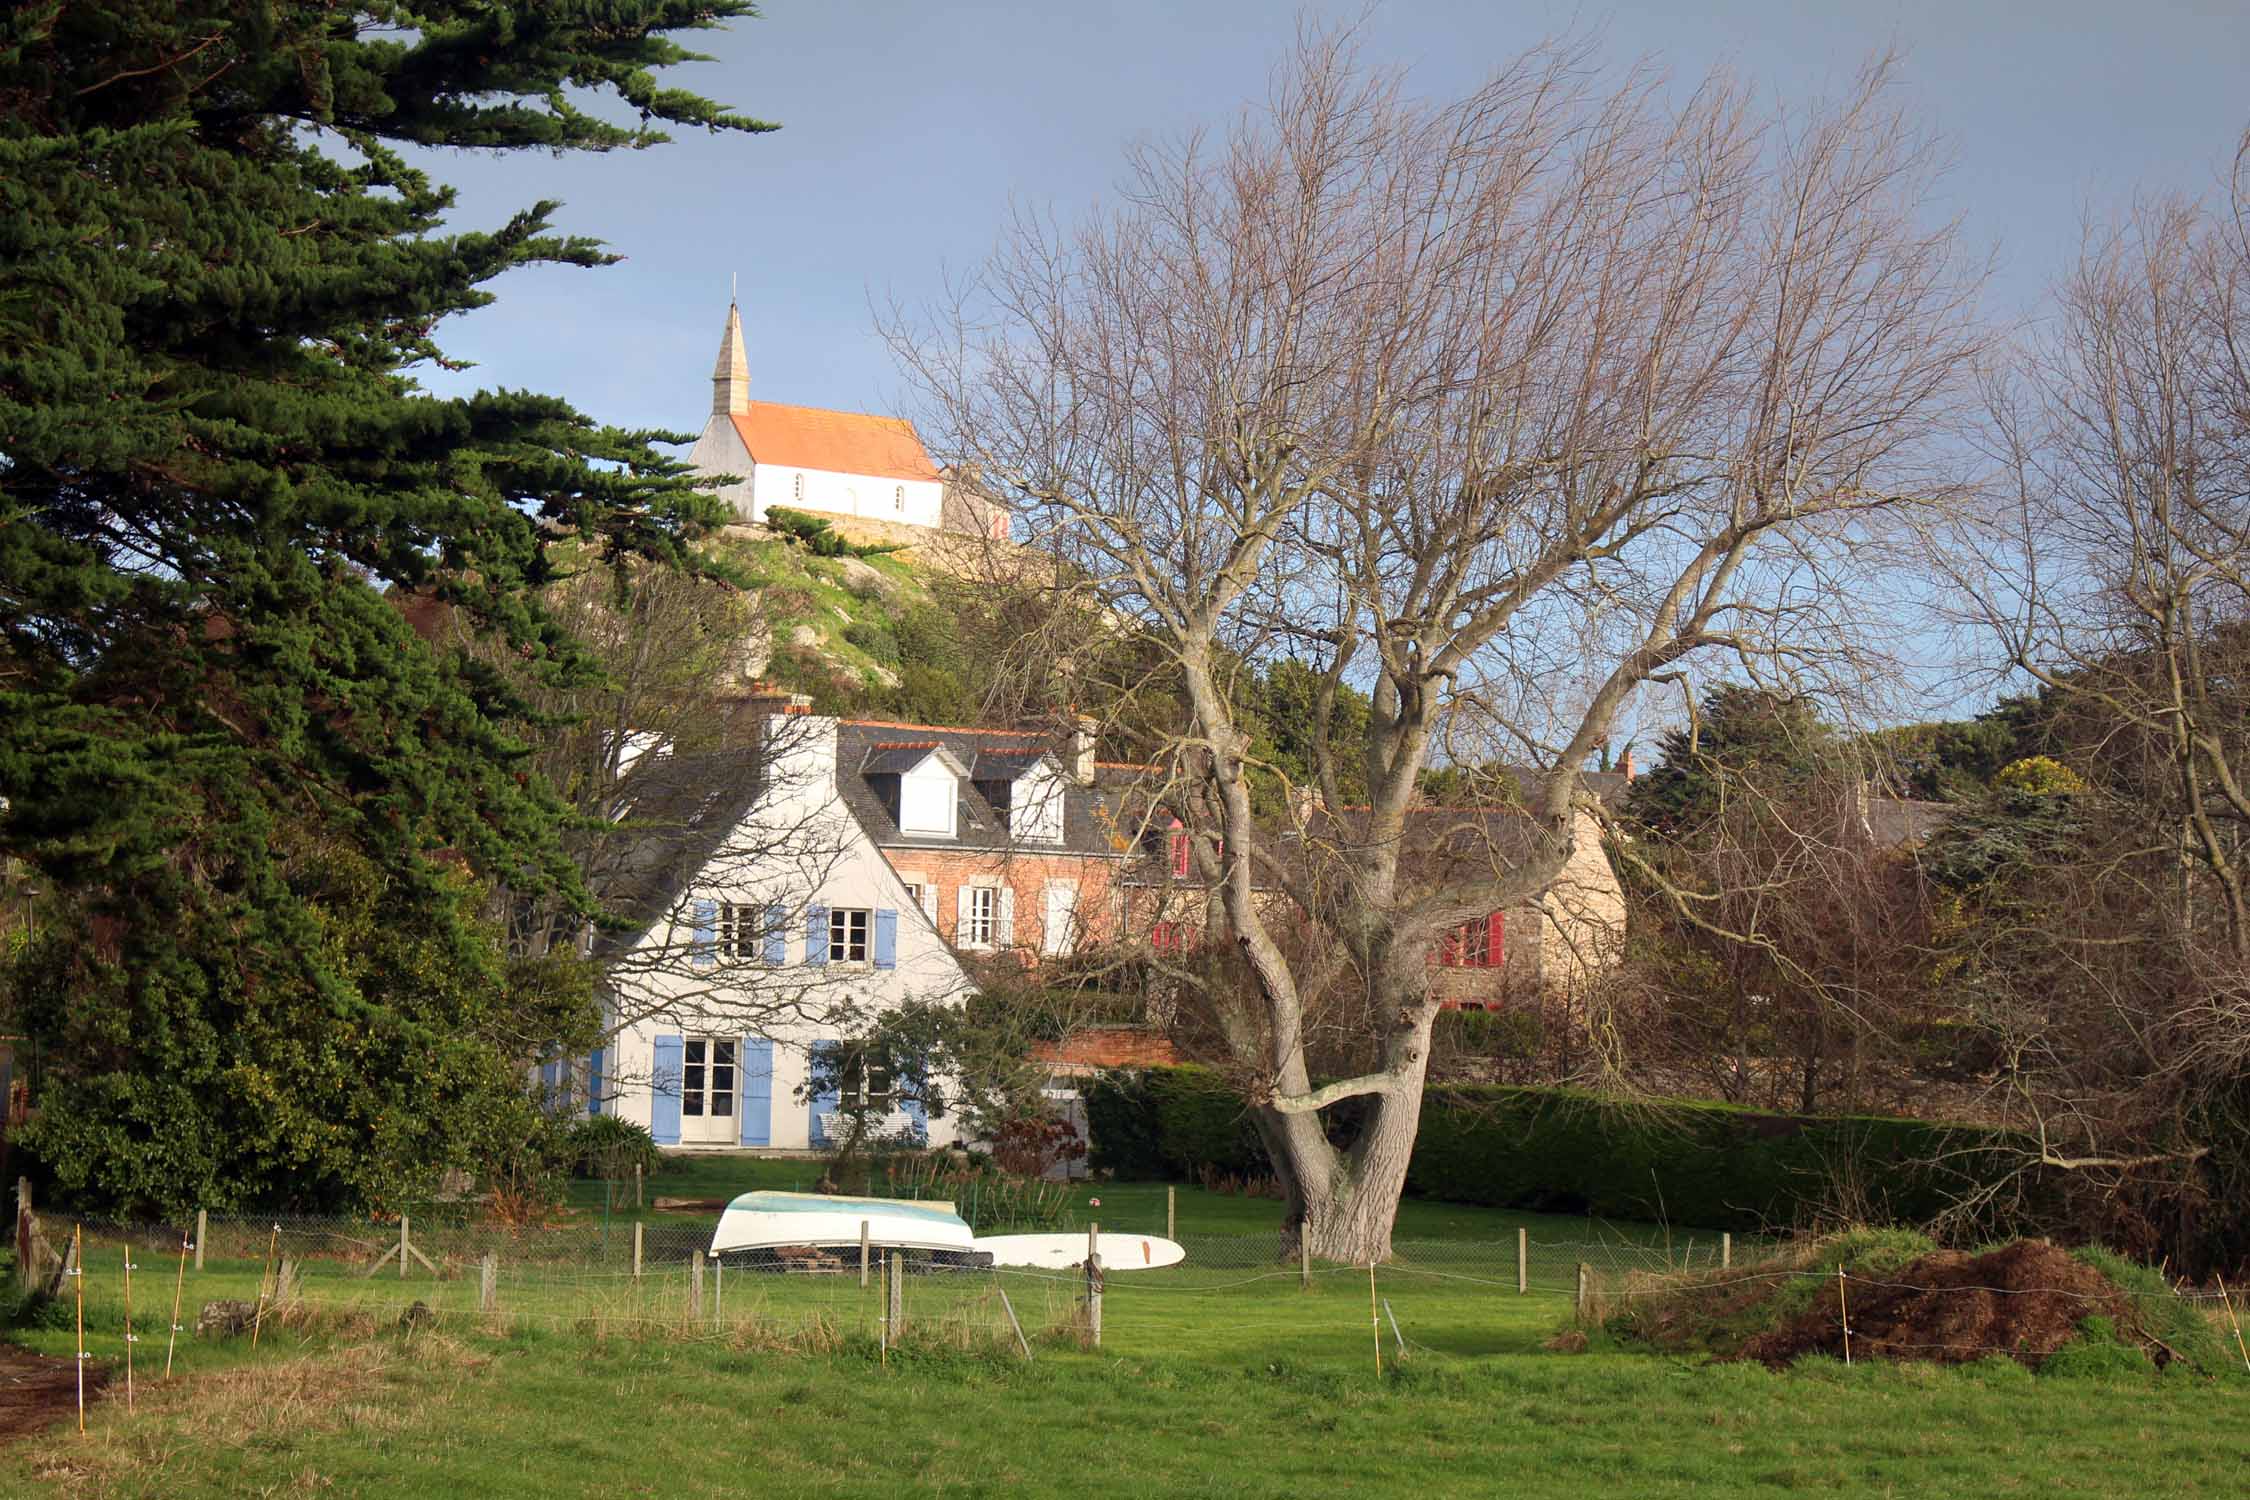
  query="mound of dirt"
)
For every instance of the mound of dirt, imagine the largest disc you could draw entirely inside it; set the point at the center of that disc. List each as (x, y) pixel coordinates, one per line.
(2025, 1300)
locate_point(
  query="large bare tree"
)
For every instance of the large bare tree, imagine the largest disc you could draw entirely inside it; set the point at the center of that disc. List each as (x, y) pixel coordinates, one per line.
(1497, 408)
(2115, 574)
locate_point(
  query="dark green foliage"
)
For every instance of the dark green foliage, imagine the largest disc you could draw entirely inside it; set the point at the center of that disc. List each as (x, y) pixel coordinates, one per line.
(1703, 1165)
(1170, 1122)
(816, 536)
(326, 1050)
(874, 640)
(606, 1146)
(1742, 734)
(217, 279)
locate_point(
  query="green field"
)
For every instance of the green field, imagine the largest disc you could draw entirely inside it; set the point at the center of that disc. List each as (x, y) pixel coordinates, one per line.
(1210, 1380)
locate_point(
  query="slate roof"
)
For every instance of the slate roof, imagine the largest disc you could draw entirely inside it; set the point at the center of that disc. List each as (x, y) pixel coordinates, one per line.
(684, 809)
(1093, 822)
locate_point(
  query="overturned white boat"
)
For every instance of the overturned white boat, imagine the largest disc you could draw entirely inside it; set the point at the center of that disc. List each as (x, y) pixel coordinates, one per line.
(775, 1221)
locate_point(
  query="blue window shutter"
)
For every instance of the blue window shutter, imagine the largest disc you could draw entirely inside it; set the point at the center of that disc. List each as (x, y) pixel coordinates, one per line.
(886, 939)
(777, 934)
(594, 1083)
(756, 1073)
(664, 1090)
(706, 917)
(824, 1103)
(816, 934)
(919, 1117)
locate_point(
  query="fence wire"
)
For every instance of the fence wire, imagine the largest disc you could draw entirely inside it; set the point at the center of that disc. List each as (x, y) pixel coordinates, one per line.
(656, 1279)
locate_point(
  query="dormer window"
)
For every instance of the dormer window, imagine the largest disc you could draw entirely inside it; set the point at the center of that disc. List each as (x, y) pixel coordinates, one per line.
(919, 785)
(1025, 787)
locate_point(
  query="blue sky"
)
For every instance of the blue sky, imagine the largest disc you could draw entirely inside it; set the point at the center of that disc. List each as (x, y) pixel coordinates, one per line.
(908, 128)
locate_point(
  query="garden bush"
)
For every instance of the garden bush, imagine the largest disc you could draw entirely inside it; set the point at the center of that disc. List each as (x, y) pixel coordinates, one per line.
(1705, 1165)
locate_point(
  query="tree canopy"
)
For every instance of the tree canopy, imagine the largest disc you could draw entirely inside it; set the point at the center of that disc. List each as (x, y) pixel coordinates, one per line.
(219, 275)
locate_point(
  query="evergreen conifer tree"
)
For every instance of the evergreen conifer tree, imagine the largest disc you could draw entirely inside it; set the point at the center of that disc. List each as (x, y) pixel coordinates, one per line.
(223, 749)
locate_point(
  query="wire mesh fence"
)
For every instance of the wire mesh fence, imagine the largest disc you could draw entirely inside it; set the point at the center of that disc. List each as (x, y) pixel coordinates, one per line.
(656, 1279)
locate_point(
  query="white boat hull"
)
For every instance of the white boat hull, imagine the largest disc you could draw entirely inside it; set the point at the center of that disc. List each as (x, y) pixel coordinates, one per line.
(772, 1221)
(1059, 1252)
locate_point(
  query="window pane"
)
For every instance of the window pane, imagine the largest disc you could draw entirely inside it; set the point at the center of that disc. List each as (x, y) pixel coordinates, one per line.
(695, 1050)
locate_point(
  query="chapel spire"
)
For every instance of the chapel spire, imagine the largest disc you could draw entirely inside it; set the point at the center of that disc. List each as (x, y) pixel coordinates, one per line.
(730, 379)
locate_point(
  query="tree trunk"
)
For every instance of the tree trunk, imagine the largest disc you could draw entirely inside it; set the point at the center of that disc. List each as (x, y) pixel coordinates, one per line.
(1343, 1204)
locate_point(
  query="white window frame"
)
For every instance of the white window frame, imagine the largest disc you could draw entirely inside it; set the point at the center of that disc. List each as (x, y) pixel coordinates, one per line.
(709, 1075)
(797, 489)
(852, 1091)
(1053, 944)
(850, 928)
(979, 929)
(898, 498)
(742, 930)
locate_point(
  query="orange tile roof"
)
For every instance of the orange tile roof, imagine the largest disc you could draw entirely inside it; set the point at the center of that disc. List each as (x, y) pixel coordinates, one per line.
(838, 442)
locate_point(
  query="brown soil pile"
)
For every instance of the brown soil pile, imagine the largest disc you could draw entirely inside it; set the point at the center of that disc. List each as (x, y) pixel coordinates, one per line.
(2025, 1301)
(36, 1392)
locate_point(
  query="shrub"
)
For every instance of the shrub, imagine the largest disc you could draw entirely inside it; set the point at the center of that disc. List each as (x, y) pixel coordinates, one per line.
(1708, 1165)
(606, 1146)
(874, 640)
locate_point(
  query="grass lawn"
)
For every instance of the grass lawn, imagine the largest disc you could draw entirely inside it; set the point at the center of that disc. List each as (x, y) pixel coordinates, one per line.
(1271, 1393)
(1212, 1380)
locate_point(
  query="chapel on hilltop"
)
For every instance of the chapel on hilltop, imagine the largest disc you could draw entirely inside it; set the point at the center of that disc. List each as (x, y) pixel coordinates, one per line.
(871, 471)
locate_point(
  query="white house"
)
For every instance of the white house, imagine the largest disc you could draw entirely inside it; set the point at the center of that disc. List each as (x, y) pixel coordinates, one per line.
(772, 920)
(842, 463)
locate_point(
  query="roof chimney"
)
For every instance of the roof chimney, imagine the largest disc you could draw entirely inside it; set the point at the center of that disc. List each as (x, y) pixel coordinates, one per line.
(1625, 763)
(1079, 762)
(730, 378)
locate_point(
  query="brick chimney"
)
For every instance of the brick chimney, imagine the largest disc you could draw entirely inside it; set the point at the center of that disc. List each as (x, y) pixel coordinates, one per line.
(1625, 763)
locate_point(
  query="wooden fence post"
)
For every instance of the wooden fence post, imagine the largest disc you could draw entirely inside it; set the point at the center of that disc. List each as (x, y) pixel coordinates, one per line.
(1304, 1259)
(1171, 1212)
(638, 1227)
(202, 1233)
(1726, 1251)
(695, 1287)
(285, 1282)
(1585, 1284)
(404, 1244)
(1094, 1299)
(863, 1255)
(488, 1283)
(24, 1268)
(636, 1185)
(1523, 1260)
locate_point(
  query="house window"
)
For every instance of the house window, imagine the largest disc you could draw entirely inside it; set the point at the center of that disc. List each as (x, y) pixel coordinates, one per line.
(898, 497)
(924, 896)
(1176, 849)
(865, 1085)
(980, 916)
(1168, 938)
(847, 936)
(741, 930)
(707, 1076)
(1472, 945)
(797, 489)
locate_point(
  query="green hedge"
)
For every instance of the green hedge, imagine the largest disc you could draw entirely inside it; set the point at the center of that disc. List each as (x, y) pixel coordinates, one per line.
(1710, 1166)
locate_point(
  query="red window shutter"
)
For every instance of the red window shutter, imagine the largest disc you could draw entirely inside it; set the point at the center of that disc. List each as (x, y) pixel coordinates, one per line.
(1495, 937)
(1179, 853)
(1164, 937)
(1449, 949)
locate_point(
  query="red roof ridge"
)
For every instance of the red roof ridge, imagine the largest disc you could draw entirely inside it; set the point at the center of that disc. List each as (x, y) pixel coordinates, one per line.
(906, 745)
(928, 728)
